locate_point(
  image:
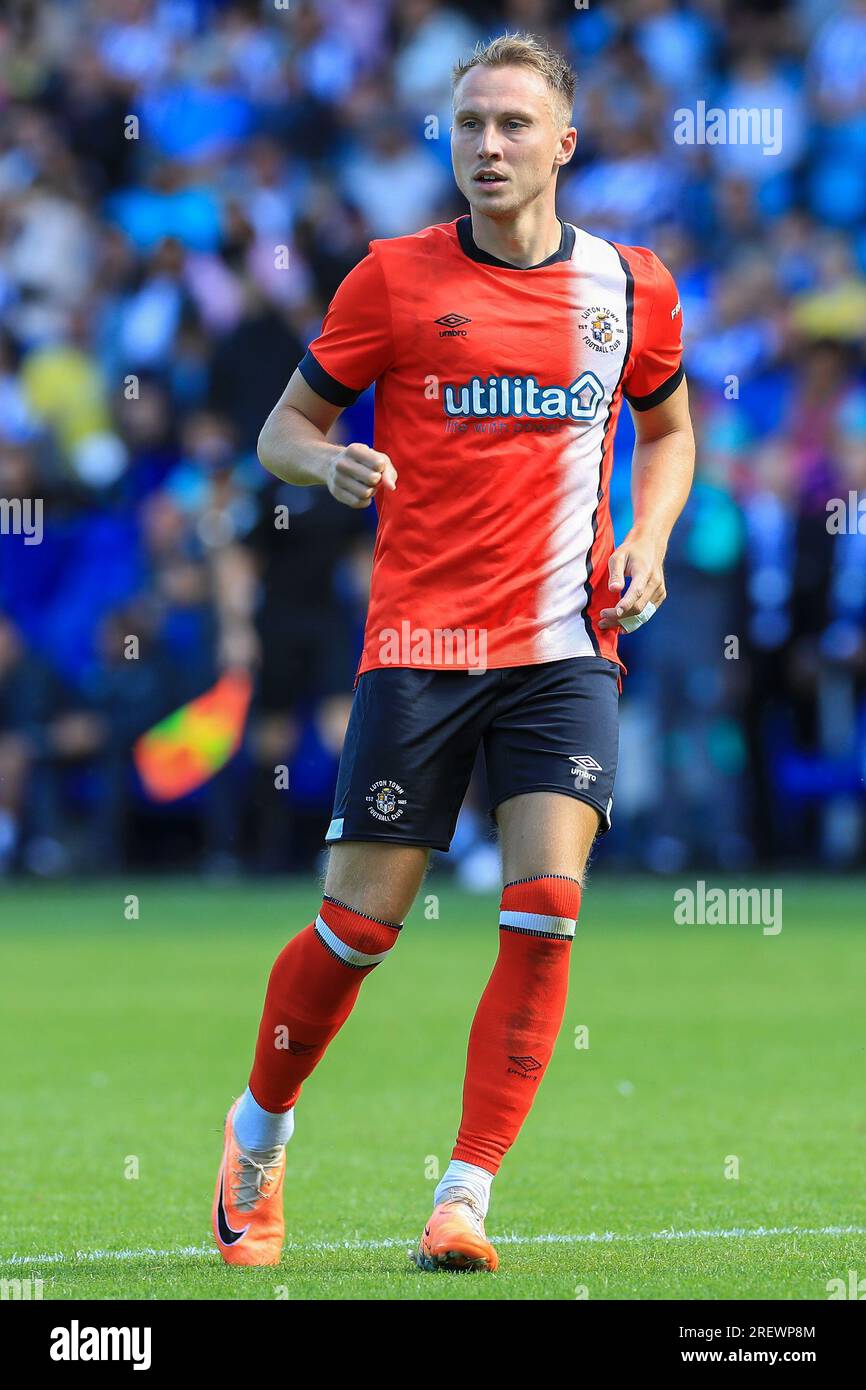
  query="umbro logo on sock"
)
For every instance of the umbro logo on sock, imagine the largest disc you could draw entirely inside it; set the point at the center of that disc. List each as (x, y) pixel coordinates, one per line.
(526, 1065)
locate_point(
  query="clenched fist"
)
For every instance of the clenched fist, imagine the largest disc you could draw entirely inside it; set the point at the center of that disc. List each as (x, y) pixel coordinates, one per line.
(356, 472)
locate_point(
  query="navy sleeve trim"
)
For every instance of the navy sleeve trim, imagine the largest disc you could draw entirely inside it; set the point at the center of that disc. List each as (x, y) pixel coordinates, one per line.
(660, 394)
(327, 386)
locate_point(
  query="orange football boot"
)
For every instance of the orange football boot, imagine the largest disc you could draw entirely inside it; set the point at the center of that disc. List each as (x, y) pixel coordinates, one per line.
(454, 1237)
(248, 1219)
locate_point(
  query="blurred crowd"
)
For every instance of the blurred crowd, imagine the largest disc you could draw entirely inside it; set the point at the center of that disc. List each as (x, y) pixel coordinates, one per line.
(183, 185)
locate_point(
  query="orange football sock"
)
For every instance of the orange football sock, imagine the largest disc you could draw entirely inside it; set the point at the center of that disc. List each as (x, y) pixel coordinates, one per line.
(311, 992)
(518, 1017)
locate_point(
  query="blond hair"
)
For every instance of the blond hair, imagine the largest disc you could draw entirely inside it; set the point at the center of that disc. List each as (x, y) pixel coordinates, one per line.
(527, 51)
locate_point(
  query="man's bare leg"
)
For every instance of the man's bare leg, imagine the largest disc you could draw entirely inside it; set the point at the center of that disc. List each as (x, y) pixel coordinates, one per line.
(545, 833)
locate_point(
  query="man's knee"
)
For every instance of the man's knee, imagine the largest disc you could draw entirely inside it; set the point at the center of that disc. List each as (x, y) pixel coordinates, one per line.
(380, 880)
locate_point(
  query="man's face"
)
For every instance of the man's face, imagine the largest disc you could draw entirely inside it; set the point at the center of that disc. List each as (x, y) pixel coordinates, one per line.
(503, 122)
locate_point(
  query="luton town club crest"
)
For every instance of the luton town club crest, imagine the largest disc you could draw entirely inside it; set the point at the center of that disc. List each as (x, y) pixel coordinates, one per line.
(602, 330)
(386, 800)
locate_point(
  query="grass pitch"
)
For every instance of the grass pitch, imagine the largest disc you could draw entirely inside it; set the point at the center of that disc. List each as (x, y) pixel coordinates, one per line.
(711, 1049)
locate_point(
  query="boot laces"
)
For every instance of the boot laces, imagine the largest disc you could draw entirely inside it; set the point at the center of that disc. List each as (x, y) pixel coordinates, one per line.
(254, 1180)
(466, 1199)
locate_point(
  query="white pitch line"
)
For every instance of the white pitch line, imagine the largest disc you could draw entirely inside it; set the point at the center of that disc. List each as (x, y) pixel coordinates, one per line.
(389, 1242)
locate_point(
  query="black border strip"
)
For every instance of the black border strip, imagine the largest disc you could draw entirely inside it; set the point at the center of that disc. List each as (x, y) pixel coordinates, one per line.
(548, 935)
(327, 386)
(660, 394)
(533, 878)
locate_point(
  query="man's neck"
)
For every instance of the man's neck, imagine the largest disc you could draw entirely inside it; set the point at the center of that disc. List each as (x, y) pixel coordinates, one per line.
(525, 242)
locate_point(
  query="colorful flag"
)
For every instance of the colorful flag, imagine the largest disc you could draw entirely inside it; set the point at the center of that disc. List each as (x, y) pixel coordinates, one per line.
(188, 747)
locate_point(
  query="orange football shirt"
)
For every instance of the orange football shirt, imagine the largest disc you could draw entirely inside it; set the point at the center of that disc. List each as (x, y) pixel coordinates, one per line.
(498, 390)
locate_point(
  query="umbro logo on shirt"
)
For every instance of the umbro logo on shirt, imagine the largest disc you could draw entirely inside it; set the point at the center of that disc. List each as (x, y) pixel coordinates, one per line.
(452, 326)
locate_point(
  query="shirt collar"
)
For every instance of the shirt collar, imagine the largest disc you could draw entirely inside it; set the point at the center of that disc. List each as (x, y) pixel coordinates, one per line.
(475, 253)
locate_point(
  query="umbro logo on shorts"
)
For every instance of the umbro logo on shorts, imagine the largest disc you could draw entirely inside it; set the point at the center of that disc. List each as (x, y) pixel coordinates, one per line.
(585, 767)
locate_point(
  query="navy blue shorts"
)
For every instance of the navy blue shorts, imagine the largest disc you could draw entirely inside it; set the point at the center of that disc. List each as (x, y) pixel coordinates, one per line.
(413, 737)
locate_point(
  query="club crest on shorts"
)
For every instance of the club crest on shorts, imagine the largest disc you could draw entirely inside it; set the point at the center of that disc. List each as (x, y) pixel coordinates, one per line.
(386, 799)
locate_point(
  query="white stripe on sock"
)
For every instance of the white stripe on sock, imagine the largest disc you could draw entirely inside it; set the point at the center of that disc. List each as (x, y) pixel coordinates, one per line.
(538, 922)
(341, 949)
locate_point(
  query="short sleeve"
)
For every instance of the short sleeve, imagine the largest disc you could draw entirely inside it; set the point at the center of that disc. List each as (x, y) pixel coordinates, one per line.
(355, 345)
(658, 367)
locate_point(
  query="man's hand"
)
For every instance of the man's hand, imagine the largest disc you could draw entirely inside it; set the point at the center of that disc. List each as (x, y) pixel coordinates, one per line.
(662, 468)
(356, 472)
(640, 557)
